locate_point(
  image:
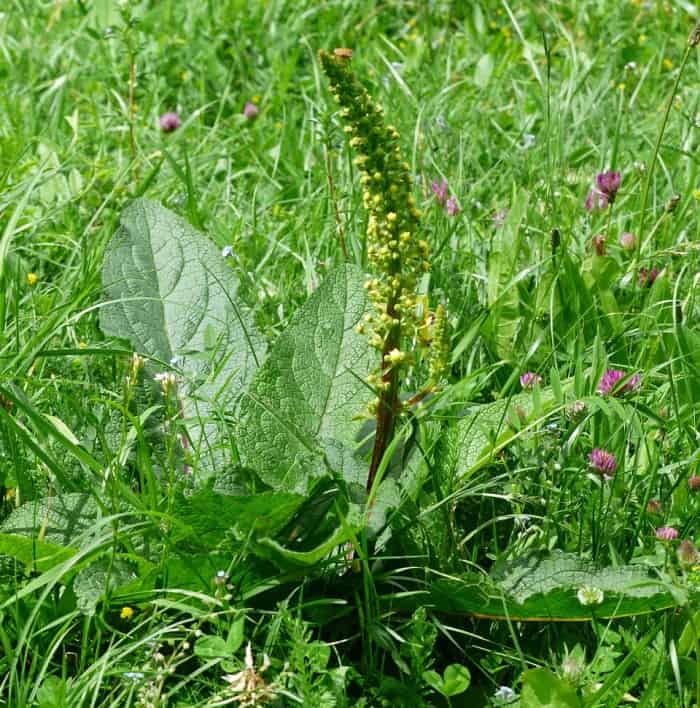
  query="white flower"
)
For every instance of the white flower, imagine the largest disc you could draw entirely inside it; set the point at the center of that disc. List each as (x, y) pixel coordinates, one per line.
(227, 252)
(167, 380)
(588, 595)
(528, 140)
(504, 694)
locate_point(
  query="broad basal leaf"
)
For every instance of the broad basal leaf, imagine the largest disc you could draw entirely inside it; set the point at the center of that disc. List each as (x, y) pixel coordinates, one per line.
(208, 516)
(34, 554)
(54, 520)
(310, 388)
(471, 443)
(541, 588)
(542, 689)
(170, 294)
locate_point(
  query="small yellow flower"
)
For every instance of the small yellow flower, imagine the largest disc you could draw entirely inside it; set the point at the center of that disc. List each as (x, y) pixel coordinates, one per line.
(414, 35)
(9, 494)
(127, 613)
(696, 193)
(82, 345)
(32, 279)
(279, 125)
(185, 76)
(642, 38)
(621, 87)
(256, 99)
(668, 64)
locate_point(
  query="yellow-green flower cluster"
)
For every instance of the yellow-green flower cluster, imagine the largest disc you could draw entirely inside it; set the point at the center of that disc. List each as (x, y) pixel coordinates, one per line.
(396, 256)
(439, 361)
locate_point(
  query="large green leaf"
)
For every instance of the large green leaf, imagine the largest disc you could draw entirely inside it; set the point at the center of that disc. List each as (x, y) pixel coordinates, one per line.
(169, 292)
(471, 443)
(306, 394)
(53, 520)
(208, 516)
(540, 588)
(34, 554)
(542, 689)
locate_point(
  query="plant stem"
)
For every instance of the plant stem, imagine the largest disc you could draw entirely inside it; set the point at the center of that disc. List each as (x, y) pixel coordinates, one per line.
(652, 164)
(387, 405)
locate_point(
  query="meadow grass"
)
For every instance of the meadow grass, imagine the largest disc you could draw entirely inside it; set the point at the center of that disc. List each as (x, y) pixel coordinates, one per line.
(518, 106)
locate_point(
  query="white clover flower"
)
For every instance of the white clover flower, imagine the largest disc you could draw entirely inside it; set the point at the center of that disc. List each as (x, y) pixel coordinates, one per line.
(227, 252)
(504, 694)
(588, 595)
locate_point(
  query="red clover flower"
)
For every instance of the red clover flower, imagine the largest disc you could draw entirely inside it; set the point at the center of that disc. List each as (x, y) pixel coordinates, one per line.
(612, 377)
(603, 462)
(647, 277)
(666, 533)
(170, 121)
(250, 110)
(607, 186)
(452, 207)
(440, 190)
(530, 379)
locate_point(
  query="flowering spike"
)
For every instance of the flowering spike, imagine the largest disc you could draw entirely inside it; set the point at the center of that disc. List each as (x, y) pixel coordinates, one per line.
(395, 254)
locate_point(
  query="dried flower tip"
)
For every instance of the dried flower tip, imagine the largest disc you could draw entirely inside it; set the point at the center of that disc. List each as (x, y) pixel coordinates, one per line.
(694, 483)
(170, 121)
(599, 244)
(694, 38)
(688, 553)
(343, 53)
(576, 410)
(673, 202)
(648, 277)
(654, 506)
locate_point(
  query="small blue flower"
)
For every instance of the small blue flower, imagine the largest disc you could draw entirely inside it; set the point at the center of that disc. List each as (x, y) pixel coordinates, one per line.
(227, 252)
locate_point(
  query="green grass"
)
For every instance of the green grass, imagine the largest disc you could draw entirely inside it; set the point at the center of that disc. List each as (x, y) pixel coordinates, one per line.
(518, 106)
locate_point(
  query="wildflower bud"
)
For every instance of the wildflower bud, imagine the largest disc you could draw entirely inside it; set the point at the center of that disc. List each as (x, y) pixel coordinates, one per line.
(250, 111)
(653, 506)
(576, 410)
(170, 121)
(647, 277)
(672, 203)
(694, 483)
(688, 553)
(628, 241)
(599, 244)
